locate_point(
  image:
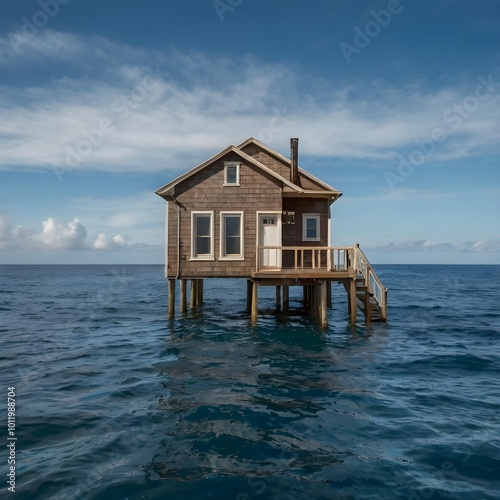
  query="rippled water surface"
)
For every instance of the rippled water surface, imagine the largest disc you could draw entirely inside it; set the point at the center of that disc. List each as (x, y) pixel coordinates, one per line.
(116, 402)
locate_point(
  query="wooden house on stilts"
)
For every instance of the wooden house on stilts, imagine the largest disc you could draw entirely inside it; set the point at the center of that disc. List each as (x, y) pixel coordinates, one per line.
(250, 212)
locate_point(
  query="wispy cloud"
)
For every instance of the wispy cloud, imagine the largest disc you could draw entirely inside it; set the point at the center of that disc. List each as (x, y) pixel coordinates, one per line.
(402, 194)
(107, 106)
(415, 246)
(480, 246)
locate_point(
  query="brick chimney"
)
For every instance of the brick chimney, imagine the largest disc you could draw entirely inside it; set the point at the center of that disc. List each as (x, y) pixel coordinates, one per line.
(294, 158)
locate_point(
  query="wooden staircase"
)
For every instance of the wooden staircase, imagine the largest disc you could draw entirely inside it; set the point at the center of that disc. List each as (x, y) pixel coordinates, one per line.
(366, 302)
(371, 295)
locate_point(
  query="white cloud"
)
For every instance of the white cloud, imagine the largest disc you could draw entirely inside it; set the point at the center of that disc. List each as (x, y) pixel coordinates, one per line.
(104, 242)
(116, 108)
(62, 237)
(56, 236)
(14, 237)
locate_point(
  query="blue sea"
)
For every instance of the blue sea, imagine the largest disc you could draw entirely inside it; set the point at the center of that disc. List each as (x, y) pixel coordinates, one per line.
(114, 401)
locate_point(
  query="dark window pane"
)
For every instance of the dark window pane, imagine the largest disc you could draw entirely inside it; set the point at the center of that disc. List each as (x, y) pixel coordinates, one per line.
(232, 225)
(311, 230)
(203, 225)
(231, 175)
(233, 246)
(202, 245)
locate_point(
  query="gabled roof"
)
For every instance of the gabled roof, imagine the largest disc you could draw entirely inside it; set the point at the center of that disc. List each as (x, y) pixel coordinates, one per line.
(289, 186)
(279, 156)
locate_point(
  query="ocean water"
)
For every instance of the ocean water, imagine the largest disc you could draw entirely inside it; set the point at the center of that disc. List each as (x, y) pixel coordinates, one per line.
(114, 401)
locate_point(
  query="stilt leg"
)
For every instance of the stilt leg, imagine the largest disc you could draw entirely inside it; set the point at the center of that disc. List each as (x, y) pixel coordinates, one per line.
(278, 298)
(192, 302)
(286, 298)
(323, 304)
(199, 294)
(255, 299)
(353, 303)
(249, 296)
(314, 301)
(183, 305)
(171, 299)
(368, 312)
(328, 294)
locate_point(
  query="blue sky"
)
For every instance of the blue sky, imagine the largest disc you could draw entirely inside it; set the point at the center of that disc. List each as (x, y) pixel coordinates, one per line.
(396, 104)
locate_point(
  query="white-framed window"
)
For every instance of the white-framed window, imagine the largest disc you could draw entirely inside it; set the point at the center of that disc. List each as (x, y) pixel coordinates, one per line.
(231, 236)
(231, 173)
(310, 227)
(202, 235)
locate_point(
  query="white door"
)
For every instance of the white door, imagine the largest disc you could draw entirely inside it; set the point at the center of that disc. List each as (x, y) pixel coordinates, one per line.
(270, 236)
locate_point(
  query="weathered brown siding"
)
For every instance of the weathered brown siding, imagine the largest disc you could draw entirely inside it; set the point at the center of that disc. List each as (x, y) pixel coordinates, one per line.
(278, 166)
(205, 191)
(292, 233)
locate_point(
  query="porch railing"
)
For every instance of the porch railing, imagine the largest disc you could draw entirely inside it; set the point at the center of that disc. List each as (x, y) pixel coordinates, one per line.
(304, 258)
(329, 259)
(371, 279)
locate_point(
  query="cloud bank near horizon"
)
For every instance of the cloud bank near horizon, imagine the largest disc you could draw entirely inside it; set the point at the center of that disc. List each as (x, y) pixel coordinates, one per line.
(480, 246)
(56, 236)
(74, 236)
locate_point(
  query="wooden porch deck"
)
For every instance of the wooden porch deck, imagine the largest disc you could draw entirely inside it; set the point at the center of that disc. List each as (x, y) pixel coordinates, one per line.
(315, 268)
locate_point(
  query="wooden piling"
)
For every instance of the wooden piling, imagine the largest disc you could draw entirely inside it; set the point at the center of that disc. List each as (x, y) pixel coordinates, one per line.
(249, 296)
(286, 298)
(278, 298)
(353, 301)
(199, 294)
(183, 304)
(368, 311)
(323, 300)
(171, 299)
(255, 300)
(314, 301)
(192, 302)
(329, 294)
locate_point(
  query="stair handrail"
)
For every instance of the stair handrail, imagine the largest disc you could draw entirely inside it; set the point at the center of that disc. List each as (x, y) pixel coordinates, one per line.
(373, 282)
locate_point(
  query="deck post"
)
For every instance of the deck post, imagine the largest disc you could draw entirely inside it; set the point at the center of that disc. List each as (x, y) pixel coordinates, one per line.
(384, 309)
(315, 301)
(286, 298)
(171, 299)
(255, 300)
(307, 303)
(353, 301)
(368, 311)
(192, 302)
(278, 298)
(183, 305)
(199, 295)
(347, 287)
(323, 304)
(249, 296)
